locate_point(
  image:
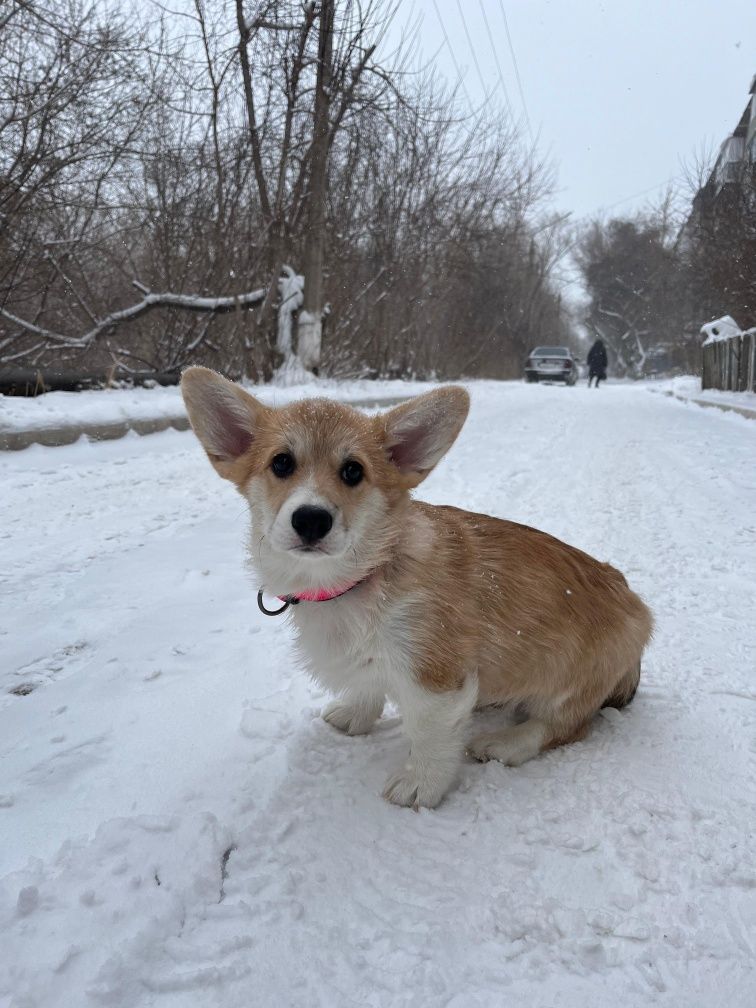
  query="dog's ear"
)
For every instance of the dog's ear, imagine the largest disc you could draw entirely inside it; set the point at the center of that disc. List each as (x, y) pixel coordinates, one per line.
(418, 433)
(223, 416)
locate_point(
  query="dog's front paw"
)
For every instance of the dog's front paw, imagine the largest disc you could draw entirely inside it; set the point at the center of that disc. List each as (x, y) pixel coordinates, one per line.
(354, 719)
(413, 789)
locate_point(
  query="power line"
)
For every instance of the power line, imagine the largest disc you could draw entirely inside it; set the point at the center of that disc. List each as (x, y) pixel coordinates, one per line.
(460, 78)
(642, 192)
(496, 58)
(486, 91)
(516, 69)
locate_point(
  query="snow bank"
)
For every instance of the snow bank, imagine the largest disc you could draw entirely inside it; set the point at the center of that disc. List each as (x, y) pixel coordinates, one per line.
(108, 406)
(720, 329)
(689, 387)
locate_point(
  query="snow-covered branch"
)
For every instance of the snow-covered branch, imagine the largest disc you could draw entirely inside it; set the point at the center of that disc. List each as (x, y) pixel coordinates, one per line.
(150, 301)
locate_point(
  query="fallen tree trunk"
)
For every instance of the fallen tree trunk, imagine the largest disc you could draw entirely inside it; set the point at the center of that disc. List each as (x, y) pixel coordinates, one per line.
(35, 381)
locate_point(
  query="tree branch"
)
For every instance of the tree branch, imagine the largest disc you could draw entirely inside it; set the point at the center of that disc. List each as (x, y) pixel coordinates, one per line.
(187, 302)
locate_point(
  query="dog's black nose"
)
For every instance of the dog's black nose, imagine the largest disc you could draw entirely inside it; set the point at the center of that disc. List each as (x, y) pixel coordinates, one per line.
(311, 523)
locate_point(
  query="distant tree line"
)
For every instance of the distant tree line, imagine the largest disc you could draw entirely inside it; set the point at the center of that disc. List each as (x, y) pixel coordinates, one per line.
(655, 278)
(169, 188)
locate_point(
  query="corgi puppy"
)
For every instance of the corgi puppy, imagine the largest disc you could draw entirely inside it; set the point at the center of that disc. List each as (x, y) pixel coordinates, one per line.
(439, 609)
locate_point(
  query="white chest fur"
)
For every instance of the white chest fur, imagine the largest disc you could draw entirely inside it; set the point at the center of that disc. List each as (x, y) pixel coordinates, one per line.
(357, 643)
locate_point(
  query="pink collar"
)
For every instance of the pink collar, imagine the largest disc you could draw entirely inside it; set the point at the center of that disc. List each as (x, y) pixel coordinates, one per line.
(319, 594)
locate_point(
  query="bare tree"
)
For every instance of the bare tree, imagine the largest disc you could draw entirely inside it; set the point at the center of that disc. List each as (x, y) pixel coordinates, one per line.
(718, 250)
(631, 270)
(71, 107)
(239, 163)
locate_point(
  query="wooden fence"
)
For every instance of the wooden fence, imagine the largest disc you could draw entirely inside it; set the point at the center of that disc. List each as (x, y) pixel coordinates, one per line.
(731, 363)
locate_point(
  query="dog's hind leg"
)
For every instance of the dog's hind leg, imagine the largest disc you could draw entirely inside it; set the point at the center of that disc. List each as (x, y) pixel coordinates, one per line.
(625, 689)
(520, 743)
(511, 746)
(557, 723)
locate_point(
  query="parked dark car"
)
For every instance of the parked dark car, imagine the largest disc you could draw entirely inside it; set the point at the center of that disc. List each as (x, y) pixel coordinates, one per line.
(551, 363)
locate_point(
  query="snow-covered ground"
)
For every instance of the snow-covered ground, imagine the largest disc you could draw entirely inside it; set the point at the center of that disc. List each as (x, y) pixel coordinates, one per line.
(107, 406)
(92, 412)
(179, 828)
(689, 387)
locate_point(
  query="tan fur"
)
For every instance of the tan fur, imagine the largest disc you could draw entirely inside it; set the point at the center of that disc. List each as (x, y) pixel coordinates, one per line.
(544, 624)
(540, 623)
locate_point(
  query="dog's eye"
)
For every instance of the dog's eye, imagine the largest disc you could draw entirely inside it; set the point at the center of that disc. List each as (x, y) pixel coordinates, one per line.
(283, 465)
(352, 473)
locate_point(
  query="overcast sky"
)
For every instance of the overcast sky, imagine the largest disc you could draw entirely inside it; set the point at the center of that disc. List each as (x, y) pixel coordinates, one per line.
(620, 93)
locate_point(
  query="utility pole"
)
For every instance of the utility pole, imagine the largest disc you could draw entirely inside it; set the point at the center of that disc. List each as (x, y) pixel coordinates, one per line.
(309, 326)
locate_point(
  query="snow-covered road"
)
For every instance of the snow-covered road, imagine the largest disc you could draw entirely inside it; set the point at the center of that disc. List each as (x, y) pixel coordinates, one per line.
(178, 828)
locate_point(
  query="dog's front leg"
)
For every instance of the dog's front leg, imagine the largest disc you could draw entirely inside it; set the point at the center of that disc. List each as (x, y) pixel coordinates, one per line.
(436, 723)
(356, 711)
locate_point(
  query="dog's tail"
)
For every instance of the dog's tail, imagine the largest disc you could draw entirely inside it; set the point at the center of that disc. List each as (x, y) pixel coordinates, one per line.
(625, 689)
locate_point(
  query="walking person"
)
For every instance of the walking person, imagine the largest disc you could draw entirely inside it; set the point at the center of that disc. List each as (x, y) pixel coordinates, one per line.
(597, 362)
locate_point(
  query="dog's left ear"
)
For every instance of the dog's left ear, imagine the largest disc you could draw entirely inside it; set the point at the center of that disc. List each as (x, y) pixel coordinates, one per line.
(418, 433)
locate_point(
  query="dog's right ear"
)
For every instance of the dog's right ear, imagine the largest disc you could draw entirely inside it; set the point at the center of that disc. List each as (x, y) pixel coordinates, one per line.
(223, 416)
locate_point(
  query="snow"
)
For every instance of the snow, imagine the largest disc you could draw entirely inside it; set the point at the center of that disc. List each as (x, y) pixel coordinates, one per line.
(106, 406)
(100, 406)
(720, 329)
(179, 828)
(688, 387)
(309, 334)
(291, 290)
